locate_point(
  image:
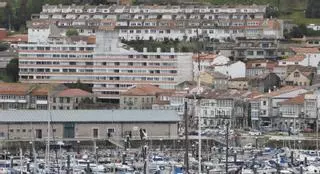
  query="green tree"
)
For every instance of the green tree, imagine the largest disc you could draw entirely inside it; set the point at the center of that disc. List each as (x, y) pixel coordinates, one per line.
(313, 9)
(72, 32)
(80, 85)
(12, 70)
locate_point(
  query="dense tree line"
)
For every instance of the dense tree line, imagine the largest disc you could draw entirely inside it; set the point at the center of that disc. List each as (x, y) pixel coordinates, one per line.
(313, 9)
(300, 31)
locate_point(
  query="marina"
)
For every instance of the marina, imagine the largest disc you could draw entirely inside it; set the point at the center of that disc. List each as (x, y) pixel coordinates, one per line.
(154, 155)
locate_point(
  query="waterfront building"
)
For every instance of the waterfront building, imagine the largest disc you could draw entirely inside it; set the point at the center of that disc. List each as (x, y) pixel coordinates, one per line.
(27, 125)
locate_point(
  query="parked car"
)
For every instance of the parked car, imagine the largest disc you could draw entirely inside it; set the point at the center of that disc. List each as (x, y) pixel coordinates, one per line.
(255, 133)
(248, 146)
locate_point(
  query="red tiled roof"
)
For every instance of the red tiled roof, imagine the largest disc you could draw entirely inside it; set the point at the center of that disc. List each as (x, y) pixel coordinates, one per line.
(298, 100)
(143, 90)
(16, 38)
(204, 56)
(295, 58)
(73, 93)
(303, 50)
(268, 64)
(14, 88)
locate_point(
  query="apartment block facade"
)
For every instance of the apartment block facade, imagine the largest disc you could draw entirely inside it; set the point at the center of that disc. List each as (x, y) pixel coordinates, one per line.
(160, 22)
(107, 66)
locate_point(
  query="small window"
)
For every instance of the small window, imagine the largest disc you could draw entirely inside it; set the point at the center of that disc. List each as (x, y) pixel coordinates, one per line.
(54, 130)
(23, 130)
(110, 130)
(296, 74)
(11, 130)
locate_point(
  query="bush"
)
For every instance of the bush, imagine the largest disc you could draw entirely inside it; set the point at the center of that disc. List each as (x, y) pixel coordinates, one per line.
(72, 32)
(4, 46)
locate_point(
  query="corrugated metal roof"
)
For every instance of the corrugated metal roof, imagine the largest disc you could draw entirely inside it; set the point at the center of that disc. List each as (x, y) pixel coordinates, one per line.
(89, 116)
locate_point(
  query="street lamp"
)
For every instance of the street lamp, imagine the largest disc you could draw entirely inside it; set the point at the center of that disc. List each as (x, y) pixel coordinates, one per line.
(161, 145)
(31, 154)
(78, 147)
(256, 142)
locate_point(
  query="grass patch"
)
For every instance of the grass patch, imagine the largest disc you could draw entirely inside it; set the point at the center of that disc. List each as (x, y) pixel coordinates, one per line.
(298, 17)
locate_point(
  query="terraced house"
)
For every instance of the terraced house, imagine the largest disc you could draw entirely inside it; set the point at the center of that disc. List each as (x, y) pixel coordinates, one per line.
(160, 22)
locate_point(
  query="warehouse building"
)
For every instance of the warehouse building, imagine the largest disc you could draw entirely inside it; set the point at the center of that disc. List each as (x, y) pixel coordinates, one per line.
(86, 124)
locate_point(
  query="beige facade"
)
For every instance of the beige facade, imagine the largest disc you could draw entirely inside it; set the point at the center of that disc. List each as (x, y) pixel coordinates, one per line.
(297, 78)
(238, 84)
(137, 102)
(206, 77)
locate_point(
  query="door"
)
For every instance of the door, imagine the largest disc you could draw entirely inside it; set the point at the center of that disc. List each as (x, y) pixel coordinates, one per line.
(38, 133)
(95, 133)
(68, 130)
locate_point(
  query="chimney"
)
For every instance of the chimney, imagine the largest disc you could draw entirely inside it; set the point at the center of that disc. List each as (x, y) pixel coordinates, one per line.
(145, 49)
(158, 50)
(269, 90)
(172, 50)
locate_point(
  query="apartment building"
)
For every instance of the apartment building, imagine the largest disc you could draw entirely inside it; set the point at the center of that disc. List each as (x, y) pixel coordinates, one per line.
(106, 65)
(218, 106)
(299, 112)
(265, 107)
(160, 22)
(255, 48)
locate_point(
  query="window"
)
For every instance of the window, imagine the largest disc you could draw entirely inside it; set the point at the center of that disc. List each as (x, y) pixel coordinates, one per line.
(61, 99)
(250, 53)
(68, 99)
(95, 133)
(296, 74)
(260, 53)
(11, 130)
(264, 103)
(110, 130)
(23, 130)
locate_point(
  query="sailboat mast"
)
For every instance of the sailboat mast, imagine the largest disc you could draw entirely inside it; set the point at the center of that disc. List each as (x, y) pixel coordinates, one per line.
(48, 138)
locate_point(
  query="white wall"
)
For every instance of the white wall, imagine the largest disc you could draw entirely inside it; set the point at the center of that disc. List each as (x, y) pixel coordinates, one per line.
(38, 35)
(184, 67)
(311, 59)
(235, 70)
(220, 60)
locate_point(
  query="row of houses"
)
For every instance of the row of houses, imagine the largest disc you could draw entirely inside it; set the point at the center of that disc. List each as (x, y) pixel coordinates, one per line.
(279, 109)
(18, 96)
(158, 22)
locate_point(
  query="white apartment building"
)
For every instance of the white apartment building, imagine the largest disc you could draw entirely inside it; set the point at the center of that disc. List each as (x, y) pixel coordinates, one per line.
(110, 68)
(160, 22)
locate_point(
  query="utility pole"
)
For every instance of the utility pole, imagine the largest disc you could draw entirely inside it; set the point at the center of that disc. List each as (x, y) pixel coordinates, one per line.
(227, 148)
(186, 125)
